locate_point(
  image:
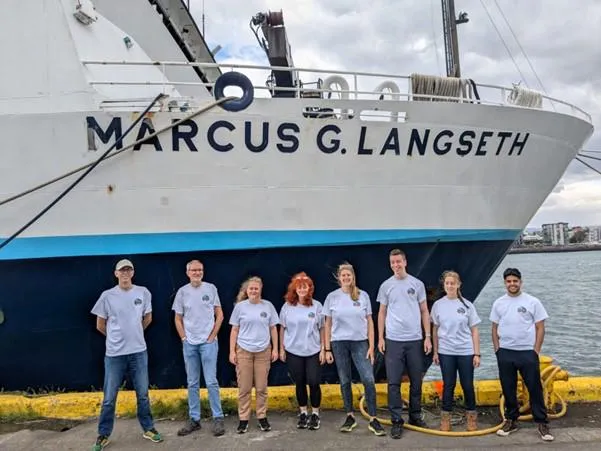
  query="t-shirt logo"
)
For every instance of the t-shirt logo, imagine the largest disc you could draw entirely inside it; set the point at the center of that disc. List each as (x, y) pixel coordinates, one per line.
(205, 298)
(263, 314)
(311, 315)
(411, 291)
(138, 301)
(357, 303)
(522, 310)
(461, 310)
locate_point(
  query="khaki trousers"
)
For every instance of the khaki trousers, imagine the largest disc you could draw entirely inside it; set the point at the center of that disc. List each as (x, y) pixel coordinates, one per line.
(252, 369)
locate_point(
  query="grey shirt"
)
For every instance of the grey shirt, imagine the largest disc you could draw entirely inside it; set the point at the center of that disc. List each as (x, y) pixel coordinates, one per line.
(402, 298)
(516, 318)
(301, 325)
(197, 307)
(454, 321)
(124, 311)
(349, 318)
(254, 321)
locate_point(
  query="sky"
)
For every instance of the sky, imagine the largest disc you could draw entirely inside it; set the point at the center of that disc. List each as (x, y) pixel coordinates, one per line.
(560, 41)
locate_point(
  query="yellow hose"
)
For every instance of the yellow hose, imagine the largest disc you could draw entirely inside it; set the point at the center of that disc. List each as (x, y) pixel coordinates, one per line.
(547, 378)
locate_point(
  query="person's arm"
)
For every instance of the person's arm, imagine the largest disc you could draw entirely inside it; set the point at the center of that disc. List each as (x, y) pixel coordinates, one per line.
(476, 343)
(540, 336)
(328, 340)
(370, 339)
(274, 342)
(217, 325)
(146, 320)
(381, 327)
(179, 326)
(101, 325)
(495, 336)
(423, 308)
(282, 350)
(435, 344)
(322, 338)
(233, 340)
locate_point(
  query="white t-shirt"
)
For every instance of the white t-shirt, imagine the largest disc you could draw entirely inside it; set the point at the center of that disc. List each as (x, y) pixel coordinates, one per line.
(349, 318)
(454, 321)
(402, 298)
(197, 307)
(255, 321)
(301, 325)
(124, 311)
(516, 317)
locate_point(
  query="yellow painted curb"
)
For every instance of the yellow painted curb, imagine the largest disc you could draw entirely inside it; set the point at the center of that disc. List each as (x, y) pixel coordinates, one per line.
(86, 405)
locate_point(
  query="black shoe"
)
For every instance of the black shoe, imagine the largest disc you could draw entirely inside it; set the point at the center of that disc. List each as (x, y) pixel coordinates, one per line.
(314, 422)
(375, 427)
(509, 426)
(545, 433)
(418, 422)
(218, 427)
(242, 427)
(190, 427)
(302, 421)
(397, 430)
(349, 424)
(264, 424)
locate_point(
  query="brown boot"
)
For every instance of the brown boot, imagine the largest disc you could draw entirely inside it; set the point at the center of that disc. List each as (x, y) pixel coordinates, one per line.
(445, 421)
(472, 420)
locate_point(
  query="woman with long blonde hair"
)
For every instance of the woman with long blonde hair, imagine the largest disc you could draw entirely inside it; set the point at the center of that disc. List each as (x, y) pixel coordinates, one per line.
(456, 343)
(349, 338)
(253, 347)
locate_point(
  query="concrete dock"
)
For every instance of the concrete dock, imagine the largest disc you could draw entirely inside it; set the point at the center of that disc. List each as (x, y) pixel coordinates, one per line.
(580, 429)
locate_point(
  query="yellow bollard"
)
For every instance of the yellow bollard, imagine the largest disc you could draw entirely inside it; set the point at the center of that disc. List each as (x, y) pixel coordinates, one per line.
(544, 361)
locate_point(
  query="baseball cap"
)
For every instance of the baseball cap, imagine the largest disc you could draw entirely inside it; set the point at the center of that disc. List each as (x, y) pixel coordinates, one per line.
(123, 264)
(512, 272)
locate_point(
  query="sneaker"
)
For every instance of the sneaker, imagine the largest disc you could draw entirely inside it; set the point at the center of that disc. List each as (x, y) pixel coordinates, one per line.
(190, 426)
(314, 422)
(153, 435)
(264, 424)
(349, 424)
(302, 421)
(418, 422)
(376, 427)
(242, 427)
(545, 434)
(509, 426)
(101, 442)
(397, 430)
(218, 427)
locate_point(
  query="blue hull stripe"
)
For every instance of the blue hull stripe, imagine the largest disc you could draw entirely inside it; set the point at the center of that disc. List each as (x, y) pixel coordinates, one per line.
(151, 243)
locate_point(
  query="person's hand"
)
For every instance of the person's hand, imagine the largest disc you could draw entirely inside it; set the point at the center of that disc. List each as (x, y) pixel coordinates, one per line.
(435, 359)
(427, 345)
(370, 355)
(329, 357)
(382, 346)
(274, 355)
(233, 359)
(282, 355)
(476, 361)
(322, 357)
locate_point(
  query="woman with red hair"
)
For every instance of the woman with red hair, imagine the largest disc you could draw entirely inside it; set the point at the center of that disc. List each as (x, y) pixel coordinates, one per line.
(302, 345)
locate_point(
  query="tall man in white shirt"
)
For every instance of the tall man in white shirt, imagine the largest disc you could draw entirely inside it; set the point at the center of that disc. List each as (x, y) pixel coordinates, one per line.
(403, 312)
(518, 331)
(198, 318)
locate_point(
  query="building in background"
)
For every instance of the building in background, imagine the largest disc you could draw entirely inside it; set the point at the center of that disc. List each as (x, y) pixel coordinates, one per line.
(556, 234)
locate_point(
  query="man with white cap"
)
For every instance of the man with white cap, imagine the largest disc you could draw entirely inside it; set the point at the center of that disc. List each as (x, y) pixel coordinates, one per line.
(123, 312)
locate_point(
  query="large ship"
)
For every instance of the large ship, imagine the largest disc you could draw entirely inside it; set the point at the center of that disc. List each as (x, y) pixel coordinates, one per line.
(304, 172)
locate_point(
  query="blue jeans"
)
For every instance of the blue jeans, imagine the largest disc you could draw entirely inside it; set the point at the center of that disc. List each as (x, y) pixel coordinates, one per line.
(344, 352)
(115, 369)
(449, 366)
(206, 355)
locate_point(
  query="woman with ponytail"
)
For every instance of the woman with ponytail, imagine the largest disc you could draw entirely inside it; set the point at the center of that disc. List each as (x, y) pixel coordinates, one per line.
(350, 337)
(456, 344)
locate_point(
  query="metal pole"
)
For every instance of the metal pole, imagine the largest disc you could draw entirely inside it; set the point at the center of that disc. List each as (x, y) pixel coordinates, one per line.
(454, 42)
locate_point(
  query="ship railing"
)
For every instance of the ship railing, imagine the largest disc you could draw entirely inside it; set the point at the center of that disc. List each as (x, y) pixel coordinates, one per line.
(334, 84)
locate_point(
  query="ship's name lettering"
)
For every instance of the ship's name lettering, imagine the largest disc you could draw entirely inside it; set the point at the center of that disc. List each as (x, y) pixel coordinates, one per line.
(330, 139)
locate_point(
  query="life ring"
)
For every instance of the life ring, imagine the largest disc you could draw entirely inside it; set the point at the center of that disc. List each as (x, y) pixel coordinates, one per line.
(239, 80)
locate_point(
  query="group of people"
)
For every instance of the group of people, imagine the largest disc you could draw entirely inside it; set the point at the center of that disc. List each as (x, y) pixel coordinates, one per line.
(311, 334)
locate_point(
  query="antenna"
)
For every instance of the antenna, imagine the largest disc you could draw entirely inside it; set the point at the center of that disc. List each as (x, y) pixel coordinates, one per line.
(450, 23)
(203, 19)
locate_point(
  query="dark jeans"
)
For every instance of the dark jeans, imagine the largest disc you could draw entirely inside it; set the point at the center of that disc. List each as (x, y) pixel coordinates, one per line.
(526, 362)
(305, 371)
(115, 369)
(449, 366)
(401, 355)
(344, 351)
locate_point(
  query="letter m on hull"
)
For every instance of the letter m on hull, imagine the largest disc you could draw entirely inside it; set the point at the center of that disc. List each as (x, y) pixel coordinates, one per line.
(95, 130)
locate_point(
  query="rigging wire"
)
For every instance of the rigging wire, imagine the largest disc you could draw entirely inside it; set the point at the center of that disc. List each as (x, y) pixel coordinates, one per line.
(589, 166)
(504, 43)
(521, 48)
(588, 156)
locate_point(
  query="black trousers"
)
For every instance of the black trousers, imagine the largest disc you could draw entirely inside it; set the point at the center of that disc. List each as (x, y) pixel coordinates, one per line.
(526, 362)
(305, 371)
(401, 355)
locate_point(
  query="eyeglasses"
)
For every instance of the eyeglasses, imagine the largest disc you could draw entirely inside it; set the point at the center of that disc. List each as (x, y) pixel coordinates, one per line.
(196, 270)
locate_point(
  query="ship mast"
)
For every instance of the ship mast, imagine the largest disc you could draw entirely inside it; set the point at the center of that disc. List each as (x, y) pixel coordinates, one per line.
(451, 45)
